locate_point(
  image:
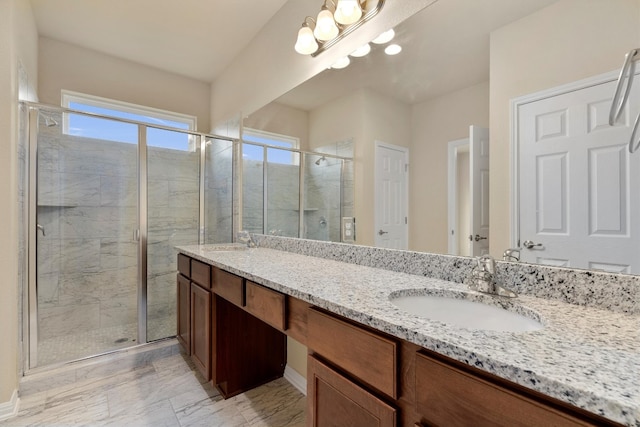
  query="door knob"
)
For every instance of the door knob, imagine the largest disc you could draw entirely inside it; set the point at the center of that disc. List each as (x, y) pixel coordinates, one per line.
(380, 233)
(530, 245)
(479, 237)
(41, 228)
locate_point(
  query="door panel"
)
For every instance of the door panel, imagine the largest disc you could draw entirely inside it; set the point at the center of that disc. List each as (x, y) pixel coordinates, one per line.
(576, 205)
(479, 174)
(391, 197)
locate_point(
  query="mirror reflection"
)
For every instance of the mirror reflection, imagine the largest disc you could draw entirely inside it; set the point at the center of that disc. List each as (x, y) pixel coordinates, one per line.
(500, 110)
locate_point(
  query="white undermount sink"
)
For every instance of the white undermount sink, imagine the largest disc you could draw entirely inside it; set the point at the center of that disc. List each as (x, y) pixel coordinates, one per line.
(468, 310)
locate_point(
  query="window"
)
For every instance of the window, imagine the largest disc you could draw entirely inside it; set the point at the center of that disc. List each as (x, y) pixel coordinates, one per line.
(99, 128)
(254, 152)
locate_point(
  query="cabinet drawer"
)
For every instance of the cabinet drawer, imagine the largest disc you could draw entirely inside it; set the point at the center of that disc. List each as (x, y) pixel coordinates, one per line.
(365, 355)
(228, 286)
(334, 400)
(184, 265)
(201, 273)
(449, 396)
(266, 304)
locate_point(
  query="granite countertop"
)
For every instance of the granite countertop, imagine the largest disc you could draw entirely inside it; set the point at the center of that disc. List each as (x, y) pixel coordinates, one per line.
(587, 357)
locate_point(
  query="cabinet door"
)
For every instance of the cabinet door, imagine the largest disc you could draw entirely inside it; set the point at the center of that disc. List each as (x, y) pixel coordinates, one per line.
(184, 310)
(201, 329)
(334, 401)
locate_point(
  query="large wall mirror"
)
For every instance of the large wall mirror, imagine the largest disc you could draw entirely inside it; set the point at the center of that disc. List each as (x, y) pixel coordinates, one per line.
(526, 82)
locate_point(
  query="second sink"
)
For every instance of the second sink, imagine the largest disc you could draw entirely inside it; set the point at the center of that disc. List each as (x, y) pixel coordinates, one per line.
(469, 310)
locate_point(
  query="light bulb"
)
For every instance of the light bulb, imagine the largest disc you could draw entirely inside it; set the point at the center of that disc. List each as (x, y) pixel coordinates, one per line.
(361, 51)
(385, 37)
(341, 63)
(393, 49)
(306, 43)
(326, 28)
(348, 12)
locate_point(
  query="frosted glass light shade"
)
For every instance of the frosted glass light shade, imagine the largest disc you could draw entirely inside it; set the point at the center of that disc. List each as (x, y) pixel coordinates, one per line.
(361, 51)
(326, 28)
(393, 49)
(385, 37)
(306, 43)
(341, 63)
(348, 12)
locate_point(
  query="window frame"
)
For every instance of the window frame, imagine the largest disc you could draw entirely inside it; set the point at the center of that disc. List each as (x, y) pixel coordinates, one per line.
(258, 133)
(69, 97)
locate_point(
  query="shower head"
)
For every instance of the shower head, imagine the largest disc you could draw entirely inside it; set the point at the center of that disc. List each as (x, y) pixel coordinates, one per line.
(49, 121)
(320, 160)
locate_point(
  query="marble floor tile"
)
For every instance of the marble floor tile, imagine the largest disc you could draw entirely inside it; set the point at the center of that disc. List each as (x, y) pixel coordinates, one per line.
(165, 391)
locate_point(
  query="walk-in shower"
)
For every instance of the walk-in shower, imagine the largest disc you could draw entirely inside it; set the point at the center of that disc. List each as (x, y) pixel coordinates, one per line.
(104, 215)
(287, 192)
(104, 202)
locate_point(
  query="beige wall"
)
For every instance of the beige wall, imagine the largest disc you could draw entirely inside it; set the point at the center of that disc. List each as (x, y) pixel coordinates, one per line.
(282, 119)
(434, 123)
(66, 66)
(17, 43)
(240, 88)
(574, 39)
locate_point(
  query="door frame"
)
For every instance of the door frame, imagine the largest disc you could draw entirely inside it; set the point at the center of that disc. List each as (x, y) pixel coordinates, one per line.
(376, 176)
(514, 142)
(453, 148)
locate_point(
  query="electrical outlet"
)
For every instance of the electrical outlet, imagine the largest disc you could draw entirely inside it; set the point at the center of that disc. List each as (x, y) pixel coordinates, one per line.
(348, 229)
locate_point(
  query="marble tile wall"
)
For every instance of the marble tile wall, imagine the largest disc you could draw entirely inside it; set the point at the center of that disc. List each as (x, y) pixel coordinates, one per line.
(87, 203)
(218, 196)
(325, 200)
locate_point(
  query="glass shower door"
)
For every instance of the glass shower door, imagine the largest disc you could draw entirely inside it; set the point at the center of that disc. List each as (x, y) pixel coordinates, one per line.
(86, 248)
(173, 206)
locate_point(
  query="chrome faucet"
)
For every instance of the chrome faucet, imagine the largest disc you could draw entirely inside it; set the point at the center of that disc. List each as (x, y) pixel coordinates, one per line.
(483, 278)
(511, 254)
(245, 237)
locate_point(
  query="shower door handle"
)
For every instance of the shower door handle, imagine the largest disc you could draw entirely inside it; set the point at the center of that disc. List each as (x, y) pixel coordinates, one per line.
(41, 228)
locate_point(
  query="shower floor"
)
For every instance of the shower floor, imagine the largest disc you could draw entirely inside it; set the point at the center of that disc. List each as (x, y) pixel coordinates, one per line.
(77, 346)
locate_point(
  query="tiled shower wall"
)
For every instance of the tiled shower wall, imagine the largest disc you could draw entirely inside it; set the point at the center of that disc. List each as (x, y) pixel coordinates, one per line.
(87, 204)
(328, 196)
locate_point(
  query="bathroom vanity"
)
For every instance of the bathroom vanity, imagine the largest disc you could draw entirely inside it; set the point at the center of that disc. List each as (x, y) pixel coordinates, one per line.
(370, 363)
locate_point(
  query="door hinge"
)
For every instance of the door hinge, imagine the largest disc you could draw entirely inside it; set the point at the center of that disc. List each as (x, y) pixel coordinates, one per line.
(406, 167)
(405, 220)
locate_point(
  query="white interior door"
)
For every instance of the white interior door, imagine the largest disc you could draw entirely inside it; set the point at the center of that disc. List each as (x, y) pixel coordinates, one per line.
(391, 196)
(479, 175)
(578, 191)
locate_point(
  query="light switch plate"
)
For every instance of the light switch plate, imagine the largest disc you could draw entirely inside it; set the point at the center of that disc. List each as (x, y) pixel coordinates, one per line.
(348, 229)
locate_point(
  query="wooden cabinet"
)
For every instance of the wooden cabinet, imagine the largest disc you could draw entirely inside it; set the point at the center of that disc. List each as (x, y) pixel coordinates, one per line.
(201, 329)
(367, 356)
(267, 305)
(451, 394)
(183, 296)
(335, 401)
(228, 286)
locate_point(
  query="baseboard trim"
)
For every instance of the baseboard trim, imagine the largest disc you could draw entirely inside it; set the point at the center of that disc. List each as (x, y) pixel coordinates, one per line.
(10, 409)
(296, 380)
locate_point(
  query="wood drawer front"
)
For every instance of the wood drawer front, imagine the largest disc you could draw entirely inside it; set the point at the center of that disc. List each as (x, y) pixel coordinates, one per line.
(228, 286)
(184, 265)
(447, 396)
(201, 273)
(267, 305)
(333, 400)
(367, 356)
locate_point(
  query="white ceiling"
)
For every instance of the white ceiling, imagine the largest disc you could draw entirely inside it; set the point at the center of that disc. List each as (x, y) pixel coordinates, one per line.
(445, 47)
(193, 38)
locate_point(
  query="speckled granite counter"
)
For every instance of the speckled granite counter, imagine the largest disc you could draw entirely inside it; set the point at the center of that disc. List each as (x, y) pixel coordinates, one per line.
(588, 357)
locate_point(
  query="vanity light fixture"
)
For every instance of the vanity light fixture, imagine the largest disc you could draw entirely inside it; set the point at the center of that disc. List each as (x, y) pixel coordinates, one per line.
(341, 63)
(326, 27)
(336, 19)
(393, 49)
(385, 37)
(361, 51)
